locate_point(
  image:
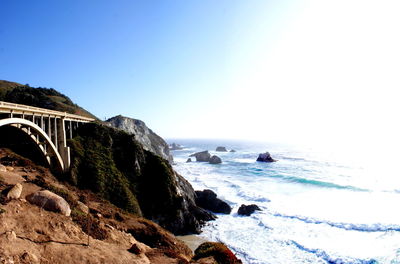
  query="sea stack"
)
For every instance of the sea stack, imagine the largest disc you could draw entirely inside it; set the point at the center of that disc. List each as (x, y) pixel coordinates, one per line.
(221, 149)
(203, 156)
(265, 157)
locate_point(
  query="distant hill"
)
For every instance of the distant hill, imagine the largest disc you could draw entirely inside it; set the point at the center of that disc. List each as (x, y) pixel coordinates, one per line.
(39, 97)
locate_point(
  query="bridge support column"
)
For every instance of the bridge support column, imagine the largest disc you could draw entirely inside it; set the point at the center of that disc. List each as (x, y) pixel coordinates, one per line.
(62, 143)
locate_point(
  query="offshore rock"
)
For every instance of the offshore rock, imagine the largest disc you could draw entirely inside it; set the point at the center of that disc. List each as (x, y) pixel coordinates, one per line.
(265, 157)
(144, 135)
(248, 209)
(215, 160)
(232, 150)
(189, 160)
(208, 200)
(203, 156)
(175, 146)
(221, 149)
(50, 202)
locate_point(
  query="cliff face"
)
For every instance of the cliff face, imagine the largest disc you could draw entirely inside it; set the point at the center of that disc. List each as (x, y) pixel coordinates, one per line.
(114, 165)
(145, 136)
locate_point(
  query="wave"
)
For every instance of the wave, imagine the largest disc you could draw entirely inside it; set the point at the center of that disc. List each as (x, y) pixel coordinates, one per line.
(317, 183)
(346, 226)
(331, 260)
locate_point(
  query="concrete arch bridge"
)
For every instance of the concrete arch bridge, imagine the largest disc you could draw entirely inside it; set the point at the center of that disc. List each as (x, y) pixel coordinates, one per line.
(48, 129)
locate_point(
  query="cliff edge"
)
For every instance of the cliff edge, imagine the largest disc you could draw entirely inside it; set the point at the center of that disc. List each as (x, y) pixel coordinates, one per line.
(144, 135)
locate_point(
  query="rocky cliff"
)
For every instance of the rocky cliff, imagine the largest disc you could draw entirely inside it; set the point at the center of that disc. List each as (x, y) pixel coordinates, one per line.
(114, 165)
(145, 136)
(95, 232)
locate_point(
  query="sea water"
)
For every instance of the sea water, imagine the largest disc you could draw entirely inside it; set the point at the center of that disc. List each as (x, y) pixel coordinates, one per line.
(315, 208)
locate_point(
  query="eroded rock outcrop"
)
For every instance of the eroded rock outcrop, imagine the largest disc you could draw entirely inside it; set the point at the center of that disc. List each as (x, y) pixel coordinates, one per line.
(114, 165)
(202, 156)
(208, 200)
(144, 135)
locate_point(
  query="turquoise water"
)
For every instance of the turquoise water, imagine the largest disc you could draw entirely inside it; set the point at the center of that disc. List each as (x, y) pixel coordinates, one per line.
(316, 208)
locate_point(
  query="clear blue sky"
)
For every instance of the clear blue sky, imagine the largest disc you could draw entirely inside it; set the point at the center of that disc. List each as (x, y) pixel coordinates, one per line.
(256, 69)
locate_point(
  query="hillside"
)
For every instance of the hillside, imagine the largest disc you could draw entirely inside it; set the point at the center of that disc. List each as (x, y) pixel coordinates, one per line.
(30, 234)
(39, 97)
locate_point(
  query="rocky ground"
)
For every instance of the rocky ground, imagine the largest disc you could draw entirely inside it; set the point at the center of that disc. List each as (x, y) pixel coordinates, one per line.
(95, 231)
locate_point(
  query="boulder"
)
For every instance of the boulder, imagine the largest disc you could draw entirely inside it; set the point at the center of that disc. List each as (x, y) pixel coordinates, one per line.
(232, 150)
(221, 149)
(189, 160)
(208, 200)
(175, 146)
(50, 201)
(265, 157)
(203, 156)
(82, 207)
(248, 209)
(135, 249)
(15, 192)
(215, 160)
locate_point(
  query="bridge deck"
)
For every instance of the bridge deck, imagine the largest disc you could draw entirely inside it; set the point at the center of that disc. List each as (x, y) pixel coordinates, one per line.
(6, 107)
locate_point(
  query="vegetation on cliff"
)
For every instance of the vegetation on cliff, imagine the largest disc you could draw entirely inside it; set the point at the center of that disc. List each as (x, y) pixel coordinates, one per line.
(114, 165)
(39, 97)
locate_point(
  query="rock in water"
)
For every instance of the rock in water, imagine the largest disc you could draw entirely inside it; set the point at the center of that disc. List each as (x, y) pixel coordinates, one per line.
(232, 150)
(203, 156)
(175, 146)
(265, 157)
(208, 200)
(50, 201)
(215, 160)
(248, 209)
(15, 191)
(189, 160)
(221, 149)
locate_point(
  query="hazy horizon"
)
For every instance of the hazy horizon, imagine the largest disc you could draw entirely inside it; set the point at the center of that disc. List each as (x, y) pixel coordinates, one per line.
(308, 72)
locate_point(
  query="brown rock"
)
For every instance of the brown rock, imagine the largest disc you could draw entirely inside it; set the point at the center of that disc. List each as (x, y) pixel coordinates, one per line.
(15, 191)
(135, 249)
(50, 201)
(82, 207)
(3, 168)
(11, 236)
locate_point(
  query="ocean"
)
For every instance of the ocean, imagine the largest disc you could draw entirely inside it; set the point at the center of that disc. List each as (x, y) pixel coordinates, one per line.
(316, 207)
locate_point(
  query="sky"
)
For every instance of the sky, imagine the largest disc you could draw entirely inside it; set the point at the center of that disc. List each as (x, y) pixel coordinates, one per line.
(308, 72)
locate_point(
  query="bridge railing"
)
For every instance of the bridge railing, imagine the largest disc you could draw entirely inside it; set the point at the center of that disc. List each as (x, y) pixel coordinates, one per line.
(6, 107)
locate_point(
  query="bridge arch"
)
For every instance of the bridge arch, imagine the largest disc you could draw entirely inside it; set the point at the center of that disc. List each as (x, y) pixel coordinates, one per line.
(40, 137)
